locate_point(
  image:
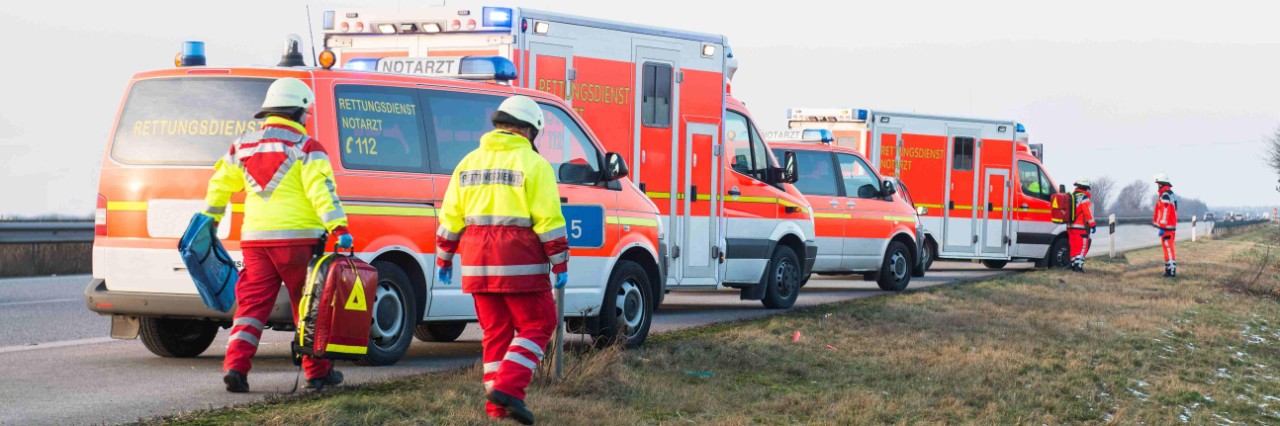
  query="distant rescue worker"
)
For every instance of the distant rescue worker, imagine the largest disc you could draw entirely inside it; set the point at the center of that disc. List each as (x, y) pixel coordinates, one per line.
(1166, 220)
(502, 213)
(1082, 226)
(291, 203)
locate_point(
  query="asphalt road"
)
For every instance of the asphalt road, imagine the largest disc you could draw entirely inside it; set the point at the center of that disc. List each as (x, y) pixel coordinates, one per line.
(57, 365)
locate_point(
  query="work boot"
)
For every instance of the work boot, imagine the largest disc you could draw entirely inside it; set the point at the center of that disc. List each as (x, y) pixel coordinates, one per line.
(236, 382)
(514, 406)
(334, 378)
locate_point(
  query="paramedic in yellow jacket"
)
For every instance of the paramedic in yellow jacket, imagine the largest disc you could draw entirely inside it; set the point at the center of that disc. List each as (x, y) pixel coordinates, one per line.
(291, 203)
(502, 214)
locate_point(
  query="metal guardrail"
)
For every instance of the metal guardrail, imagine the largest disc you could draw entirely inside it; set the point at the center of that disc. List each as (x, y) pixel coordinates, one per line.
(1239, 223)
(45, 232)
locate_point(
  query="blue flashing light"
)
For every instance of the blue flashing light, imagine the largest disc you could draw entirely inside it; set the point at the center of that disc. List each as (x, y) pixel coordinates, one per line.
(862, 114)
(823, 135)
(1021, 129)
(496, 17)
(362, 64)
(487, 67)
(192, 53)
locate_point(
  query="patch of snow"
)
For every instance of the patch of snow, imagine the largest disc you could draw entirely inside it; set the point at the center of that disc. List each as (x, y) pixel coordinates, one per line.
(1222, 373)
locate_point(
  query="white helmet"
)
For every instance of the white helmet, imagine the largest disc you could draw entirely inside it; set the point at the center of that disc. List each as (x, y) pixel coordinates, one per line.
(1084, 182)
(287, 95)
(524, 109)
(1162, 178)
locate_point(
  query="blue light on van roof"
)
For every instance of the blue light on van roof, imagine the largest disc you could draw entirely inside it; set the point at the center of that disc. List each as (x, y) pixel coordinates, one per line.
(362, 64)
(496, 17)
(192, 53)
(823, 135)
(488, 68)
(1020, 128)
(862, 115)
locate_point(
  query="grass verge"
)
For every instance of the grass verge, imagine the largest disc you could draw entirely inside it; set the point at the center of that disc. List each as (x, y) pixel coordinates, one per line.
(21, 260)
(1116, 345)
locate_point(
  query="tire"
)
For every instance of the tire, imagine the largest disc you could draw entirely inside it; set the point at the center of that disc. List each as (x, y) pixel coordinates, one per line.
(439, 331)
(805, 281)
(995, 264)
(177, 338)
(394, 308)
(1059, 255)
(627, 310)
(782, 279)
(929, 252)
(895, 270)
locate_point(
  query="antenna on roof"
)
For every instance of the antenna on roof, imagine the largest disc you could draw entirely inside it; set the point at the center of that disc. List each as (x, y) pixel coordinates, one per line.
(312, 30)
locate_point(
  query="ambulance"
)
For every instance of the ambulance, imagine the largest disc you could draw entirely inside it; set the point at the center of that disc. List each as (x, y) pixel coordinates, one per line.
(658, 97)
(864, 224)
(979, 185)
(394, 140)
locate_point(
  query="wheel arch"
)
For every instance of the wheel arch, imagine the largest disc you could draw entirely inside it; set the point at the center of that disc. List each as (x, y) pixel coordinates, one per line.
(412, 266)
(647, 260)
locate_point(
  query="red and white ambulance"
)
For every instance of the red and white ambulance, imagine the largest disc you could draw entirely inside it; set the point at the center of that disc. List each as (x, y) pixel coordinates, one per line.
(659, 97)
(393, 140)
(979, 186)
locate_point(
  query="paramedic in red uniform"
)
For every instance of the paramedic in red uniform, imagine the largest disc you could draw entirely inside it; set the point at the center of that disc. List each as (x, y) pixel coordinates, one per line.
(291, 203)
(1166, 220)
(1082, 225)
(501, 214)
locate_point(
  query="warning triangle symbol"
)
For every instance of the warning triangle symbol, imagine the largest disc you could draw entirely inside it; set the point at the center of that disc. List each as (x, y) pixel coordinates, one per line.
(1055, 203)
(356, 302)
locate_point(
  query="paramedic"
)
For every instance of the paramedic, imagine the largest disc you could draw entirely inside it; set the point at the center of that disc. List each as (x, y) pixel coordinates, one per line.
(1082, 225)
(1166, 220)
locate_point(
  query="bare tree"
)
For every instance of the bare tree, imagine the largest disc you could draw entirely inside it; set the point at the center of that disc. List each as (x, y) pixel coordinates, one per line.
(1134, 200)
(1102, 190)
(1188, 207)
(1273, 152)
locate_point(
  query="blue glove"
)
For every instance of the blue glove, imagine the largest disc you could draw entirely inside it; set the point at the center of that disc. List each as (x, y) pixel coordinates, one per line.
(562, 279)
(445, 274)
(1161, 233)
(345, 241)
(1093, 230)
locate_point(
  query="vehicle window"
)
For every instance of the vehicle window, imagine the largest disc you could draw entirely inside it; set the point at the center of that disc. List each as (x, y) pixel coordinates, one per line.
(858, 179)
(748, 153)
(186, 121)
(1046, 185)
(379, 129)
(904, 193)
(656, 103)
(962, 153)
(1033, 182)
(817, 172)
(571, 154)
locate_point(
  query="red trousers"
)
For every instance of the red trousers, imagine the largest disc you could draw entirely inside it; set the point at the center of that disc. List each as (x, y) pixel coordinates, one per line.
(1166, 243)
(517, 328)
(264, 269)
(1079, 241)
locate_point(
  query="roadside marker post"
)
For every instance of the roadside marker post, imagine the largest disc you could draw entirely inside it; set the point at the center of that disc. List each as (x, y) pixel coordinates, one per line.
(1111, 237)
(1193, 229)
(559, 331)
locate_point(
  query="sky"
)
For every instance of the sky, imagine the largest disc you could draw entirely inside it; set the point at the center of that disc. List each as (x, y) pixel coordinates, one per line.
(1123, 89)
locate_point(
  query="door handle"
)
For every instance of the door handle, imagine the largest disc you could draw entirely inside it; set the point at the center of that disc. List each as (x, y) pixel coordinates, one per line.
(564, 200)
(990, 207)
(1025, 206)
(642, 187)
(951, 205)
(835, 203)
(693, 194)
(851, 204)
(734, 192)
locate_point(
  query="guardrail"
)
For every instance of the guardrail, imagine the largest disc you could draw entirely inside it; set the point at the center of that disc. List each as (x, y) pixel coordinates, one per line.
(45, 232)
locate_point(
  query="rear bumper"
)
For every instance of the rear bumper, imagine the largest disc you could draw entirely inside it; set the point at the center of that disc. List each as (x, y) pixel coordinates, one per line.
(106, 302)
(810, 255)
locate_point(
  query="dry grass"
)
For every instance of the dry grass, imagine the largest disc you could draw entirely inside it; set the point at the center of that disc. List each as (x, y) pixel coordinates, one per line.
(20, 260)
(1117, 345)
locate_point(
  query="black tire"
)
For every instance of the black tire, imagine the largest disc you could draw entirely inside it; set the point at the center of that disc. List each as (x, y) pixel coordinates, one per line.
(995, 264)
(895, 270)
(1059, 255)
(929, 251)
(439, 331)
(805, 281)
(177, 338)
(627, 309)
(394, 309)
(782, 279)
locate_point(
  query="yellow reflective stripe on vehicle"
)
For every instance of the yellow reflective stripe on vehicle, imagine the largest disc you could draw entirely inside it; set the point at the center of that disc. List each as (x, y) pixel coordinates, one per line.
(658, 195)
(346, 349)
(963, 208)
(832, 216)
(633, 221)
(390, 211)
(1036, 211)
(930, 206)
(901, 218)
(758, 200)
(136, 206)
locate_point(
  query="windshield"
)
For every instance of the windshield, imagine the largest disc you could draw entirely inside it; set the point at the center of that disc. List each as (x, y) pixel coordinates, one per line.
(186, 121)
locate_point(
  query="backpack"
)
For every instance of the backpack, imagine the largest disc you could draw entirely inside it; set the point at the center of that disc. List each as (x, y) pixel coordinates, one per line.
(1062, 208)
(336, 308)
(210, 266)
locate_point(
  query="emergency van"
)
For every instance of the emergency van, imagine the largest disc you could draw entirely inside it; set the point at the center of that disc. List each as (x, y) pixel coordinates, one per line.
(658, 97)
(394, 140)
(863, 224)
(980, 188)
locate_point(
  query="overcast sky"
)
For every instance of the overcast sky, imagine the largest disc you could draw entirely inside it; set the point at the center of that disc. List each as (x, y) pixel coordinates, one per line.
(1124, 89)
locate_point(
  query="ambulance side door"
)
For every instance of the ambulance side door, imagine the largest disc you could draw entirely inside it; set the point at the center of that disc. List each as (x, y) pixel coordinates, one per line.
(1034, 227)
(819, 182)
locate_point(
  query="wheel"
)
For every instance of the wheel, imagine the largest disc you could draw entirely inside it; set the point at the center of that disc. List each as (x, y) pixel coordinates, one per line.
(627, 309)
(805, 280)
(995, 264)
(393, 317)
(782, 280)
(439, 331)
(928, 252)
(895, 272)
(1059, 256)
(177, 338)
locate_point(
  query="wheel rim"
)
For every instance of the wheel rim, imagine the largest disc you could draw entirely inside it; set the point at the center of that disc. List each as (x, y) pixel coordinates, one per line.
(388, 316)
(629, 305)
(1061, 257)
(898, 265)
(787, 277)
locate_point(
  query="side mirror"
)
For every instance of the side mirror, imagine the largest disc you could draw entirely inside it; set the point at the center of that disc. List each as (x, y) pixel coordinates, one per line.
(790, 168)
(576, 173)
(888, 189)
(615, 167)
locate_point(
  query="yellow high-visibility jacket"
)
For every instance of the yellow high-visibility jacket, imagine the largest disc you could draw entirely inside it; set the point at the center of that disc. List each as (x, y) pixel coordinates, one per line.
(502, 213)
(291, 200)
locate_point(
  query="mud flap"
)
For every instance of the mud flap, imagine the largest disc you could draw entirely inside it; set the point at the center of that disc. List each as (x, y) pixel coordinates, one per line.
(125, 327)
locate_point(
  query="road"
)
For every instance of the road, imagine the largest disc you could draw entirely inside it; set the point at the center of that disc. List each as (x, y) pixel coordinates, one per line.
(59, 367)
